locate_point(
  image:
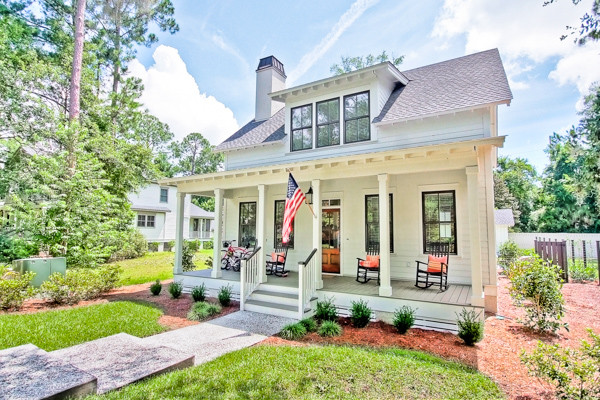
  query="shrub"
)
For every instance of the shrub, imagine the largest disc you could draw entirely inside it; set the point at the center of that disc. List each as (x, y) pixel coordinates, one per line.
(404, 318)
(209, 244)
(508, 253)
(108, 276)
(224, 295)
(199, 292)
(470, 328)
(326, 310)
(14, 248)
(575, 373)
(536, 286)
(309, 324)
(203, 310)
(14, 288)
(187, 257)
(153, 246)
(579, 272)
(156, 288)
(170, 245)
(293, 331)
(360, 314)
(131, 244)
(330, 329)
(175, 288)
(194, 245)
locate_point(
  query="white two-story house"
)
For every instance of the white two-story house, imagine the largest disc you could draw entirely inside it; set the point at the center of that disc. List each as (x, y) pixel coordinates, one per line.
(399, 159)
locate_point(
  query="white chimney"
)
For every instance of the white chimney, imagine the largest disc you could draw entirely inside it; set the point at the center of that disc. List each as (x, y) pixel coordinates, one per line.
(270, 77)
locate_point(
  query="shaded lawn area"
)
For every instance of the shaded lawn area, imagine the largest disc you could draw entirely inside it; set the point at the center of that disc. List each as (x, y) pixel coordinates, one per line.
(329, 372)
(153, 266)
(53, 330)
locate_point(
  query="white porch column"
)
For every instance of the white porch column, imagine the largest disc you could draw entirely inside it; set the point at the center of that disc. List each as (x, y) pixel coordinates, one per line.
(317, 227)
(474, 234)
(385, 288)
(216, 270)
(177, 266)
(260, 231)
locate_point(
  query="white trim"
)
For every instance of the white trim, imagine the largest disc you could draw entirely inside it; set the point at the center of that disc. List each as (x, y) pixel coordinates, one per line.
(332, 196)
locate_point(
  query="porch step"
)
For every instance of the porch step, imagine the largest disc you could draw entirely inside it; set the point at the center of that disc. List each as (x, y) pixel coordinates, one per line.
(269, 287)
(267, 296)
(267, 307)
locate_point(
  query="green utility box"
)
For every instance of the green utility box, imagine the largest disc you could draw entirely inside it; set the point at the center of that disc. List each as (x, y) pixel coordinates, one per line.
(42, 267)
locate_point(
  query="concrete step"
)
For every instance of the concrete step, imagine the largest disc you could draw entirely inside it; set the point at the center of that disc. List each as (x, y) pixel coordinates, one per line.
(122, 359)
(28, 372)
(290, 299)
(264, 307)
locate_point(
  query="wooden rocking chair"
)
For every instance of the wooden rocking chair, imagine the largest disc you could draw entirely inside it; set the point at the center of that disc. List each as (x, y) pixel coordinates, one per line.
(368, 269)
(276, 265)
(435, 269)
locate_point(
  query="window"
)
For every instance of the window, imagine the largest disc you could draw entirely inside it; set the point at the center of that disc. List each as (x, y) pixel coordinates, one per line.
(279, 210)
(247, 231)
(328, 123)
(357, 126)
(164, 195)
(150, 221)
(141, 221)
(439, 219)
(372, 221)
(302, 128)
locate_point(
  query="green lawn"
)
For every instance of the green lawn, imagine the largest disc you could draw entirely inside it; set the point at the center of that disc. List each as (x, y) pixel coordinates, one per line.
(330, 372)
(52, 330)
(153, 266)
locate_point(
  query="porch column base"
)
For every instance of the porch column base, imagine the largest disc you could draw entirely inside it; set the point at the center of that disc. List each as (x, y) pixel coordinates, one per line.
(385, 291)
(478, 301)
(491, 298)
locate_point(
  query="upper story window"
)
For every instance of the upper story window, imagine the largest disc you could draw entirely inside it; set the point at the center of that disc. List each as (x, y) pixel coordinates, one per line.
(357, 124)
(164, 195)
(328, 122)
(302, 136)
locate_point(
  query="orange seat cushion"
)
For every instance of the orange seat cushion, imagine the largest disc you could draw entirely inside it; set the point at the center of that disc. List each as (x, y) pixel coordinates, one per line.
(277, 257)
(370, 262)
(435, 264)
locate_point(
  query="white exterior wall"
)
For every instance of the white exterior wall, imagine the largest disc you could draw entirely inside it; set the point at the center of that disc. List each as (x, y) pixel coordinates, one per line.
(501, 235)
(525, 240)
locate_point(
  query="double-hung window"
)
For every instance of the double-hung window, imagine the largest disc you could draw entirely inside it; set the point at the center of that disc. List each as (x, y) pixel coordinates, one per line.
(439, 219)
(145, 221)
(302, 134)
(328, 123)
(372, 222)
(164, 195)
(247, 231)
(357, 124)
(279, 211)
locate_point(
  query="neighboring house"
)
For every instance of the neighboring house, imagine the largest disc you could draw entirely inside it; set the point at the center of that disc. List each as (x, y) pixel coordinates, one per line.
(155, 207)
(418, 145)
(504, 219)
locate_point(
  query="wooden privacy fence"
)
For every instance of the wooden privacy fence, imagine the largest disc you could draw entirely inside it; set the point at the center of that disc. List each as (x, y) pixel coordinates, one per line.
(555, 252)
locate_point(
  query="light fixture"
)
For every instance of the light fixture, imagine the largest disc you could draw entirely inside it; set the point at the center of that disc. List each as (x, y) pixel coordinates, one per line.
(309, 195)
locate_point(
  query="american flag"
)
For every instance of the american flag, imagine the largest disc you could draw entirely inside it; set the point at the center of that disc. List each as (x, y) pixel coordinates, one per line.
(293, 200)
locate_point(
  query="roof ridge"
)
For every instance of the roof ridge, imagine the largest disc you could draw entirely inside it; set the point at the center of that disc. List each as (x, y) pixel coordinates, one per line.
(451, 60)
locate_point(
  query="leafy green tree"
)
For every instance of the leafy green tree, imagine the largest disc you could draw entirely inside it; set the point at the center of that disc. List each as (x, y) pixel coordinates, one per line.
(521, 179)
(504, 199)
(206, 203)
(590, 24)
(195, 155)
(349, 64)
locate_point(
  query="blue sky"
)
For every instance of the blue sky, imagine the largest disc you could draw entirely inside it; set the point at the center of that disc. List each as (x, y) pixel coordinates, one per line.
(203, 77)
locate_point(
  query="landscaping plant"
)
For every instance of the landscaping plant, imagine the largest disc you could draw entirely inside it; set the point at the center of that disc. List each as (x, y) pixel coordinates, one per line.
(470, 328)
(404, 318)
(176, 288)
(360, 314)
(580, 272)
(203, 310)
(309, 324)
(508, 253)
(293, 331)
(187, 257)
(14, 288)
(199, 292)
(326, 310)
(156, 288)
(575, 373)
(225, 295)
(330, 329)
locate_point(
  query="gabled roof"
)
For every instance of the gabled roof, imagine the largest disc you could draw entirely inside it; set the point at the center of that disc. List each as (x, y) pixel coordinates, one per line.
(197, 212)
(504, 217)
(256, 133)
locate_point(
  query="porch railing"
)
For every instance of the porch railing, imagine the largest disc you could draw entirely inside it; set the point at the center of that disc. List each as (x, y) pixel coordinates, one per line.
(250, 270)
(307, 282)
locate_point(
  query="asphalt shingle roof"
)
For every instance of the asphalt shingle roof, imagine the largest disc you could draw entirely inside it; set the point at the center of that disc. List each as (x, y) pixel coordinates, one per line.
(198, 212)
(255, 133)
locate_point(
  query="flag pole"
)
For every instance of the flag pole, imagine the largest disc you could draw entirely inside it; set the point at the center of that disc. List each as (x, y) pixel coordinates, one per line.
(305, 201)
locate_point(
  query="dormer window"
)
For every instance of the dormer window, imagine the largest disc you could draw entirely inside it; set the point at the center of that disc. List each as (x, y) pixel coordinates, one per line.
(328, 122)
(302, 136)
(357, 125)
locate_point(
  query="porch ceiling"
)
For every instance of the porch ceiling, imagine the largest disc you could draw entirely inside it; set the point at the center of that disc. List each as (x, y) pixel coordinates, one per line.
(440, 157)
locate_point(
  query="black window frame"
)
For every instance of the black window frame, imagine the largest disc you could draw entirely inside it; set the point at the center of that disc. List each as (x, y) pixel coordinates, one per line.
(302, 128)
(240, 241)
(368, 117)
(391, 207)
(318, 125)
(141, 220)
(424, 222)
(166, 197)
(278, 227)
(150, 221)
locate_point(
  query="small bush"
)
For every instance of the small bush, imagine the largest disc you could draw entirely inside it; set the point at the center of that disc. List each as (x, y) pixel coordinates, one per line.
(470, 328)
(579, 272)
(131, 244)
(575, 373)
(508, 253)
(187, 257)
(209, 244)
(203, 310)
(309, 324)
(14, 248)
(14, 289)
(326, 310)
(175, 289)
(293, 331)
(199, 293)
(170, 245)
(404, 319)
(156, 288)
(194, 245)
(360, 314)
(225, 295)
(330, 329)
(153, 246)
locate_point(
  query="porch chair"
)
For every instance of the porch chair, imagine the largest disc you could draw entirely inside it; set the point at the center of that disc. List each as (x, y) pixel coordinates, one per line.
(276, 265)
(368, 269)
(436, 267)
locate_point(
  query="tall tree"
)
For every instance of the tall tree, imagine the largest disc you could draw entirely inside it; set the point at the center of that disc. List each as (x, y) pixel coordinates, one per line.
(503, 198)
(590, 24)
(521, 179)
(195, 155)
(349, 64)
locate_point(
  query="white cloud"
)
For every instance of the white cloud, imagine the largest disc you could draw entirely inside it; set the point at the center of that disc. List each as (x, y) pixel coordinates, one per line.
(172, 95)
(345, 21)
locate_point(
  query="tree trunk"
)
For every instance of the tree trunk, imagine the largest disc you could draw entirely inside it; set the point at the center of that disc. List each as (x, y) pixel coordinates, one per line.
(75, 85)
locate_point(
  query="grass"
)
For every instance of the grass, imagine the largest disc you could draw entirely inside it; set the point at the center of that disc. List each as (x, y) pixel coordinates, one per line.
(329, 372)
(153, 266)
(53, 330)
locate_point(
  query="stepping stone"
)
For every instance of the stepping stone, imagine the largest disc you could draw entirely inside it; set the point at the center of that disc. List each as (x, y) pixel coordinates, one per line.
(28, 372)
(122, 359)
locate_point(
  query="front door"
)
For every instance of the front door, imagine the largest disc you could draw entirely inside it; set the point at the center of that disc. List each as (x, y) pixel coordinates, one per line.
(331, 240)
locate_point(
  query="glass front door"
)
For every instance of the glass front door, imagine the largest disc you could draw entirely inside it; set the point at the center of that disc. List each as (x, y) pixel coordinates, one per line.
(331, 241)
